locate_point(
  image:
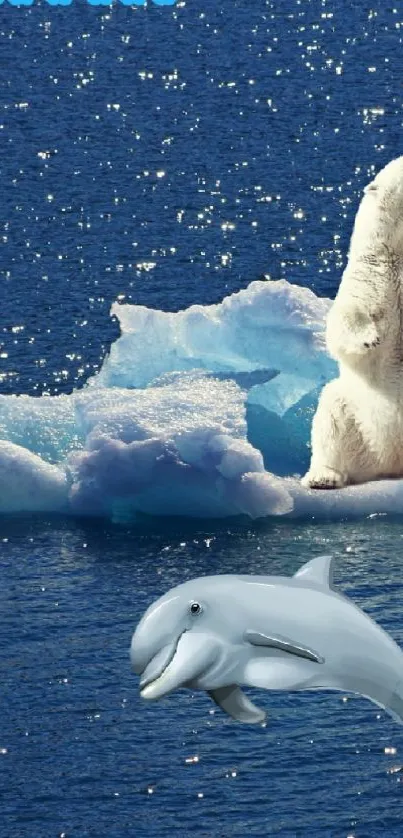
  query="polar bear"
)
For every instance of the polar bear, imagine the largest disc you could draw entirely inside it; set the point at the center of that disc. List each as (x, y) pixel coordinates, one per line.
(357, 431)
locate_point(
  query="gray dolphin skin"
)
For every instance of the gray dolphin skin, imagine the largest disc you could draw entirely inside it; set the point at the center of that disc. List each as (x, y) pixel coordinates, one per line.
(217, 633)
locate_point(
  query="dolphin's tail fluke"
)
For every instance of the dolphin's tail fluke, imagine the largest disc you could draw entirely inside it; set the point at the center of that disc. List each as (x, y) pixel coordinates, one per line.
(395, 704)
(391, 701)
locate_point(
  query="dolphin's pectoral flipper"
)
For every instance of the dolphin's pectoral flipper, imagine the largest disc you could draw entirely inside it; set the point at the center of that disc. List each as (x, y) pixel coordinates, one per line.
(256, 638)
(234, 702)
(318, 572)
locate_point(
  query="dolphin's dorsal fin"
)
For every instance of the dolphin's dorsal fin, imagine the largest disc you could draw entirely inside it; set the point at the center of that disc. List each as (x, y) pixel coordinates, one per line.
(234, 702)
(318, 572)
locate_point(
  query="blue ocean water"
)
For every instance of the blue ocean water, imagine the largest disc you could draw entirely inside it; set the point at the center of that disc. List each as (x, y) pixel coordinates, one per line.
(167, 156)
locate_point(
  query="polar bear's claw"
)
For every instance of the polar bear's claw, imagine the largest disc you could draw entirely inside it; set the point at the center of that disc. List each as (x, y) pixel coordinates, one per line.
(372, 343)
(325, 478)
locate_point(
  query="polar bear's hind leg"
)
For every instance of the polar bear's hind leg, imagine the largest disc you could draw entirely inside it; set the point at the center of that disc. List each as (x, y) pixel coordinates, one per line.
(338, 450)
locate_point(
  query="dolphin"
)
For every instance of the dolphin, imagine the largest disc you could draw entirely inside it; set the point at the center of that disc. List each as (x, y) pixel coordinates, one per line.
(217, 633)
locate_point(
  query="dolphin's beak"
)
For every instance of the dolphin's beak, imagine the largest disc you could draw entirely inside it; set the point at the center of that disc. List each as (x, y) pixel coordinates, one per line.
(175, 665)
(157, 666)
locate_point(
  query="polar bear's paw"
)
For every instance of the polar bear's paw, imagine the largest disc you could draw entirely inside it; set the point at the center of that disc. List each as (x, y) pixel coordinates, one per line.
(372, 342)
(324, 478)
(362, 342)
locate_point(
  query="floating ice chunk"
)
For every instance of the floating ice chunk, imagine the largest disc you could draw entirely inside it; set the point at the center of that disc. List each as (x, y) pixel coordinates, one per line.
(178, 449)
(268, 328)
(218, 442)
(28, 484)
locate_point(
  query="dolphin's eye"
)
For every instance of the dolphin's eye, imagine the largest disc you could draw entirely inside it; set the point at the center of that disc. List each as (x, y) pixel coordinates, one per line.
(195, 608)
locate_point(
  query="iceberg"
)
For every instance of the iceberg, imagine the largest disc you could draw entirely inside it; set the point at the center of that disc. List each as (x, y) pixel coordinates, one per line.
(201, 413)
(269, 337)
(176, 447)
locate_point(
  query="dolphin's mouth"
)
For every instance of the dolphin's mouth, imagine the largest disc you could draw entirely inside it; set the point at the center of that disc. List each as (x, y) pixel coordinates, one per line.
(157, 669)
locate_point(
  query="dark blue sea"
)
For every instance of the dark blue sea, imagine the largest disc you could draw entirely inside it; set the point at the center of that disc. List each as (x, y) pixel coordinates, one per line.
(164, 156)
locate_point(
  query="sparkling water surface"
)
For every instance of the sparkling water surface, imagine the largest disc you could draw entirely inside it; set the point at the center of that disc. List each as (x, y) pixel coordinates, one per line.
(82, 755)
(166, 156)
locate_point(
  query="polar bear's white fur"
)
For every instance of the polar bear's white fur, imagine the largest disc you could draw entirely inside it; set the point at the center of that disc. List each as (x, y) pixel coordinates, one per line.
(357, 431)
